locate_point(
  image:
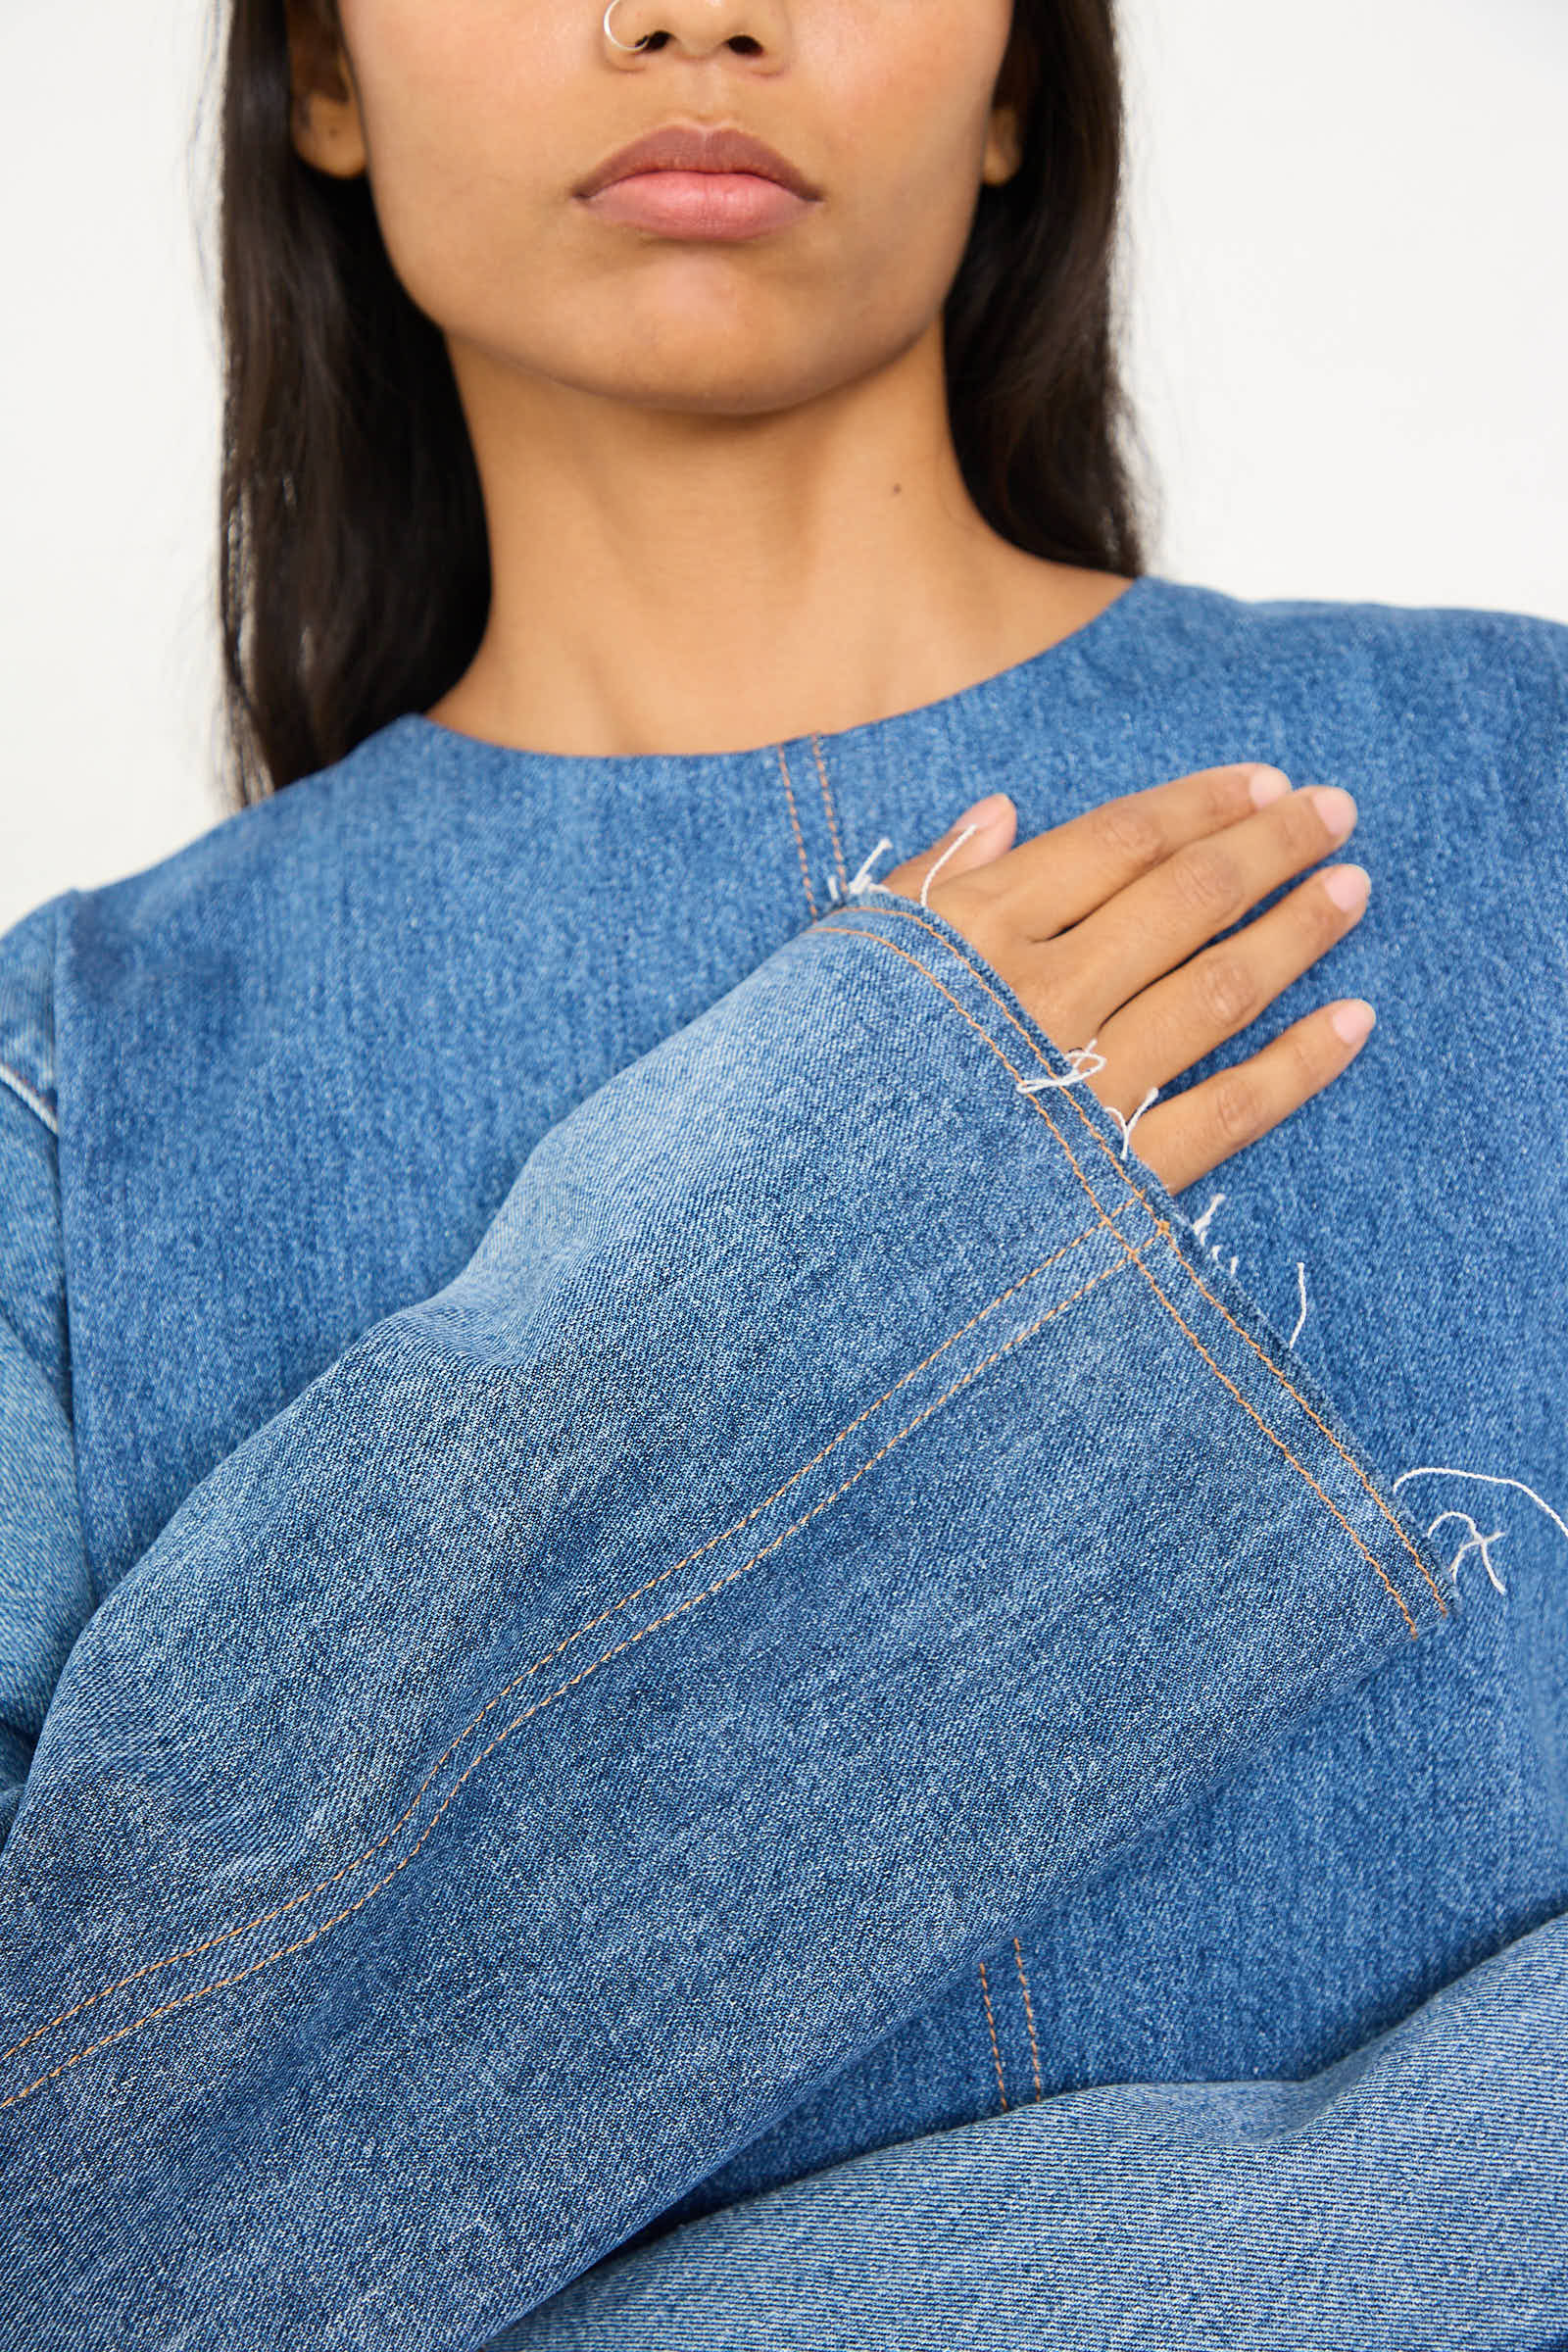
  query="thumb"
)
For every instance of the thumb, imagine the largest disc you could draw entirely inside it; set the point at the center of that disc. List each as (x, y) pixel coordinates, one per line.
(973, 839)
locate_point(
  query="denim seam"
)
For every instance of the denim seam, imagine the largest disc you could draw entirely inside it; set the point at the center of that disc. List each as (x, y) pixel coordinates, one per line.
(909, 915)
(1163, 1227)
(800, 839)
(30, 1096)
(68, 908)
(832, 820)
(991, 2028)
(8, 1328)
(1029, 2014)
(263, 1918)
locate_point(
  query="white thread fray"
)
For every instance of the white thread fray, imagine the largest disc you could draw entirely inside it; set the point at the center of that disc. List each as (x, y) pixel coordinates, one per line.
(1476, 1541)
(1300, 1276)
(863, 881)
(949, 851)
(1080, 1069)
(1201, 1224)
(1127, 1125)
(1201, 1227)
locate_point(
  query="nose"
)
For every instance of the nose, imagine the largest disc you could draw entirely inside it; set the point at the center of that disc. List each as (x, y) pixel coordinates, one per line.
(752, 27)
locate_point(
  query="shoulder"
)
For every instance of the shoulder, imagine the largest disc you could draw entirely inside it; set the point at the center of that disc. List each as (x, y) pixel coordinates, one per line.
(269, 870)
(1326, 632)
(94, 979)
(1436, 679)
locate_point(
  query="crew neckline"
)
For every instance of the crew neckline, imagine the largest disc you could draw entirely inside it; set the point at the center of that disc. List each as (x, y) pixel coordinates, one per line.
(982, 698)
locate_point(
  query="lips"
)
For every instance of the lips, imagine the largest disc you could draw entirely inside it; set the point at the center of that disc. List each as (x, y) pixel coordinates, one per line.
(690, 147)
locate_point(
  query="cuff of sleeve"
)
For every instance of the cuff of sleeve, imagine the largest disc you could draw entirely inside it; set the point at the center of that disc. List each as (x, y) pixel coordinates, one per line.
(1223, 1338)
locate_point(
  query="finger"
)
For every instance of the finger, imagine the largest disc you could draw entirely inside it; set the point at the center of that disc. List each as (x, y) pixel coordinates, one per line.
(982, 833)
(1211, 997)
(1057, 877)
(1185, 1138)
(1156, 922)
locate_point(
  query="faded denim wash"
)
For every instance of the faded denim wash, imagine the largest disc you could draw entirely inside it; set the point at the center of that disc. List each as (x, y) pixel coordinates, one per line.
(648, 1605)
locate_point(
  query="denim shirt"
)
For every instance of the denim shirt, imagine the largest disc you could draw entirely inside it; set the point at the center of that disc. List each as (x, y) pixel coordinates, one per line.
(679, 1664)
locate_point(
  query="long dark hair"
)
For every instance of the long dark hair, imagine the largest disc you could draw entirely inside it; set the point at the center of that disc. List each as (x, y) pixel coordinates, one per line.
(354, 567)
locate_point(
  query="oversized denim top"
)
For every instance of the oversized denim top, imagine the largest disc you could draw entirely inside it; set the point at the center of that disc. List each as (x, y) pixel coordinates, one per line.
(647, 1604)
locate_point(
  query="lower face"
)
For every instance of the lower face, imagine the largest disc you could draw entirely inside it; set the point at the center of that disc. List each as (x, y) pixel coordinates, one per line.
(721, 291)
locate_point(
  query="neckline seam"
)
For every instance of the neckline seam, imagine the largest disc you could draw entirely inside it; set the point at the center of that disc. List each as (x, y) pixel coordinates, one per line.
(842, 742)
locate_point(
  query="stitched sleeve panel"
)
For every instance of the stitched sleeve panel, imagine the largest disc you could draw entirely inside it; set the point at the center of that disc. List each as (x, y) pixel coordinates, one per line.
(44, 1592)
(33, 1295)
(26, 1008)
(828, 1513)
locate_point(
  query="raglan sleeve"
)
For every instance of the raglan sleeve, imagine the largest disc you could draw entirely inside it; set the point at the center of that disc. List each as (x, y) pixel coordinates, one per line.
(45, 1596)
(834, 1510)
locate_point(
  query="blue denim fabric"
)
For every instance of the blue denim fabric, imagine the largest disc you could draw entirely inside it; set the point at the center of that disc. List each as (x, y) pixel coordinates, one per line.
(646, 1585)
(1409, 2196)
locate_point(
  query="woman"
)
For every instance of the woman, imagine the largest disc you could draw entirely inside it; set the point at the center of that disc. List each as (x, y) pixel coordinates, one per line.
(662, 1598)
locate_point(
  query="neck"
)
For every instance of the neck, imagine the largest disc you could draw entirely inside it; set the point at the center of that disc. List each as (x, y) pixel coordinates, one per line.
(674, 582)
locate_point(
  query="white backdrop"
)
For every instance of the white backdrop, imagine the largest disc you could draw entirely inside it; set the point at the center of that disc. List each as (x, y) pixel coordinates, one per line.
(1348, 332)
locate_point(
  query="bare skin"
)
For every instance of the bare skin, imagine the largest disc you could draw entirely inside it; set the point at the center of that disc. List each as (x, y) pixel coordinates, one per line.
(1094, 924)
(722, 500)
(721, 490)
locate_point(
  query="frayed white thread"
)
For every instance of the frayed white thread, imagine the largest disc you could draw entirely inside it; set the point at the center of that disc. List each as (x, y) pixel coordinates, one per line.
(833, 888)
(1127, 1125)
(1475, 1540)
(862, 880)
(1201, 1224)
(1300, 1276)
(1080, 1069)
(1492, 1478)
(943, 859)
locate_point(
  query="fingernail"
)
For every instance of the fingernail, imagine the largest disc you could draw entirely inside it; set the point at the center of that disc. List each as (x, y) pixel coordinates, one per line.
(1269, 784)
(1347, 886)
(1335, 808)
(1354, 1019)
(982, 813)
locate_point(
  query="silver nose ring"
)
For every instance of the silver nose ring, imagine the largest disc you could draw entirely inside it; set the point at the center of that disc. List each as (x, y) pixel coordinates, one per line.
(628, 46)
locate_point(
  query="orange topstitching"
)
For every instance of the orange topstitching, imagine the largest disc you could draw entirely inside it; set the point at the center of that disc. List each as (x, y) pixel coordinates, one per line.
(996, 2049)
(1029, 2012)
(800, 840)
(909, 915)
(242, 1927)
(832, 820)
(692, 1600)
(1162, 1225)
(1132, 1256)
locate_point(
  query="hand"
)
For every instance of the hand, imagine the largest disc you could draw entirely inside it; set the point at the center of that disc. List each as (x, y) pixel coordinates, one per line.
(1094, 924)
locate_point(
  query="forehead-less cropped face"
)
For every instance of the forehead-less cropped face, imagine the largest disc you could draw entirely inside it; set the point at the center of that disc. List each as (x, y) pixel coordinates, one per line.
(478, 123)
